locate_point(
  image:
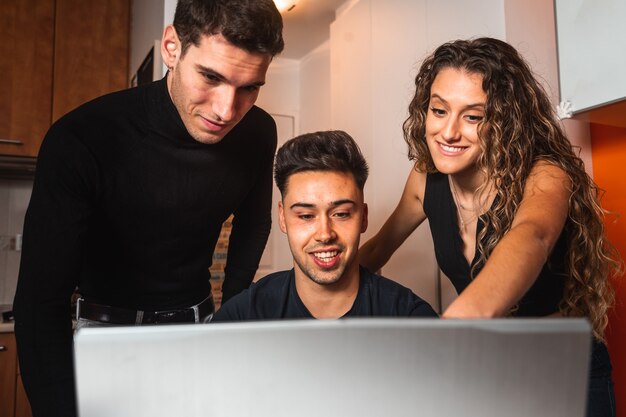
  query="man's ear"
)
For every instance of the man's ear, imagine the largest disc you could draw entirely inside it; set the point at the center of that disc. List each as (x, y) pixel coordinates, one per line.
(281, 217)
(364, 221)
(170, 47)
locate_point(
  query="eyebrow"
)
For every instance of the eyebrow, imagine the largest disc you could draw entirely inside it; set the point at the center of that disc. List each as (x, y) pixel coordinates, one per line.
(332, 204)
(209, 71)
(469, 106)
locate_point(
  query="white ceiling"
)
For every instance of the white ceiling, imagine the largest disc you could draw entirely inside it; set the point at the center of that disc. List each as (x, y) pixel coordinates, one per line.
(306, 26)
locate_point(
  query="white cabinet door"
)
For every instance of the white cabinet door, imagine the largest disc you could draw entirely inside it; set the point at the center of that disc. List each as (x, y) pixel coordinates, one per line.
(591, 37)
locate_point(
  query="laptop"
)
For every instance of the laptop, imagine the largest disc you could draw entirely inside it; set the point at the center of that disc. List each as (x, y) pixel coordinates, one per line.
(357, 367)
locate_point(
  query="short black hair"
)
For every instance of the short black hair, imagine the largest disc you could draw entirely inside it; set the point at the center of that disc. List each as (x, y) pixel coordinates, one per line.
(253, 25)
(331, 150)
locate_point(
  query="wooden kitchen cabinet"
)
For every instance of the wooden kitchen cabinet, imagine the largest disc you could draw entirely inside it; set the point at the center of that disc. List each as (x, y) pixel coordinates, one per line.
(90, 51)
(27, 33)
(8, 374)
(57, 54)
(13, 401)
(22, 406)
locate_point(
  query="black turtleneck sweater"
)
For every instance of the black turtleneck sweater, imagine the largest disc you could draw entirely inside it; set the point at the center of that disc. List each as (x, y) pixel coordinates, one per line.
(127, 207)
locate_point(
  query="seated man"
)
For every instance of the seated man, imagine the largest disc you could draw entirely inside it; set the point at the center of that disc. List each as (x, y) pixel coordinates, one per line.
(321, 178)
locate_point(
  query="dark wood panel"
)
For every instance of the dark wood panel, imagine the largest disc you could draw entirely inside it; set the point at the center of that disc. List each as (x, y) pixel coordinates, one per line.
(91, 51)
(26, 30)
(8, 372)
(22, 406)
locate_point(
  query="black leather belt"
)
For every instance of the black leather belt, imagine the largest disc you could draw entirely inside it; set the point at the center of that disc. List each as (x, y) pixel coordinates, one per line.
(117, 315)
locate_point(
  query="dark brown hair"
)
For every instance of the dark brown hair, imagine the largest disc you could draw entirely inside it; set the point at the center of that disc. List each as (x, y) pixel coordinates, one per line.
(252, 25)
(332, 150)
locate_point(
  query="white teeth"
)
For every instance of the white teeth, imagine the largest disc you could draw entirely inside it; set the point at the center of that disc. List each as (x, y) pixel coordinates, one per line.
(449, 148)
(325, 256)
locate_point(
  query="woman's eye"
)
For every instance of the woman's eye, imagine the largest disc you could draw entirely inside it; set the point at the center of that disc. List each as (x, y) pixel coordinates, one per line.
(437, 112)
(474, 118)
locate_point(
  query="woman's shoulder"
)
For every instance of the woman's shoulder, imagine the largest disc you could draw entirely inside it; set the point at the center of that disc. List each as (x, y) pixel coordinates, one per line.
(416, 182)
(548, 173)
(547, 166)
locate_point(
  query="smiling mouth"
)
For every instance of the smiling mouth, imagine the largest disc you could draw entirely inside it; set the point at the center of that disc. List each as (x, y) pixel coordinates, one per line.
(452, 149)
(326, 256)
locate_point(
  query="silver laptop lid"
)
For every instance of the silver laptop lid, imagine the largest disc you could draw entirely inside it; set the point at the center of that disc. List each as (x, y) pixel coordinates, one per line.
(352, 367)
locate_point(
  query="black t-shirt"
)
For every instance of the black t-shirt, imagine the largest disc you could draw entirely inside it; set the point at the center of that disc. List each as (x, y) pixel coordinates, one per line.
(544, 295)
(275, 297)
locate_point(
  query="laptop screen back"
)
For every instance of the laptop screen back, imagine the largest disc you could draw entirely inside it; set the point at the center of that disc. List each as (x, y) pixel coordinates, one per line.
(352, 367)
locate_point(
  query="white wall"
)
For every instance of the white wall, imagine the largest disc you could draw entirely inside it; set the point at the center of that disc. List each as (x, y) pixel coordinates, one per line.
(315, 94)
(148, 18)
(281, 92)
(280, 96)
(376, 47)
(14, 198)
(539, 48)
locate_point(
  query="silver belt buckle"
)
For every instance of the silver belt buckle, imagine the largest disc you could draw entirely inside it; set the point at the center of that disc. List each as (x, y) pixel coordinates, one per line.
(196, 313)
(78, 303)
(139, 317)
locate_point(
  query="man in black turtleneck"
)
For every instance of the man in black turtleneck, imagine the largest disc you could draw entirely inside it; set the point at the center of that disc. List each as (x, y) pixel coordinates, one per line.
(132, 188)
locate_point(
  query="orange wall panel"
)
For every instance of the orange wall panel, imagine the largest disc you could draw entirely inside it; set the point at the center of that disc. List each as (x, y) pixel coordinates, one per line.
(608, 152)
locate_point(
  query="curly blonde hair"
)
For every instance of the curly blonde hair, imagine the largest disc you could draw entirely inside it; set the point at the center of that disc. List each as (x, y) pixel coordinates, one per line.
(520, 129)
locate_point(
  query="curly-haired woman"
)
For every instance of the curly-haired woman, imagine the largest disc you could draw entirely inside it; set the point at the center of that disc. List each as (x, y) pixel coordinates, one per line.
(515, 219)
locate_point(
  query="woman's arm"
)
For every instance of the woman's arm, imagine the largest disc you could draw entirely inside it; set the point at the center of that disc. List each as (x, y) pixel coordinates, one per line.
(518, 258)
(409, 214)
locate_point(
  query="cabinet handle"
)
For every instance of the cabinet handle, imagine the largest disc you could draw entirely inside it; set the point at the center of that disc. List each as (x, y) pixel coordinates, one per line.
(3, 348)
(11, 142)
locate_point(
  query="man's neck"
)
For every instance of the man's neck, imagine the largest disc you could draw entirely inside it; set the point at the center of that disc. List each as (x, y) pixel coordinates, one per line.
(329, 301)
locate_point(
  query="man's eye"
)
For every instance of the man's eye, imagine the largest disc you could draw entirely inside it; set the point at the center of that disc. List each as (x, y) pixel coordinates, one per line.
(342, 214)
(305, 216)
(252, 88)
(211, 78)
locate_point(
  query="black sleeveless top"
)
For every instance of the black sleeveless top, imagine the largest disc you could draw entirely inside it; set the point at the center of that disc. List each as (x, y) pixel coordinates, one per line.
(541, 299)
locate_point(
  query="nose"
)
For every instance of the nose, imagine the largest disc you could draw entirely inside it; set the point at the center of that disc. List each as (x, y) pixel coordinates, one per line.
(325, 232)
(451, 130)
(225, 104)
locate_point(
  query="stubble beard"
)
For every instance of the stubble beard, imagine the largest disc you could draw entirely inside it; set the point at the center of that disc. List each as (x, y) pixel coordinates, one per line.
(188, 119)
(310, 272)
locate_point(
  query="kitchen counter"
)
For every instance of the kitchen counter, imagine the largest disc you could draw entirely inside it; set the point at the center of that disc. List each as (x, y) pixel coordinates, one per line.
(6, 327)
